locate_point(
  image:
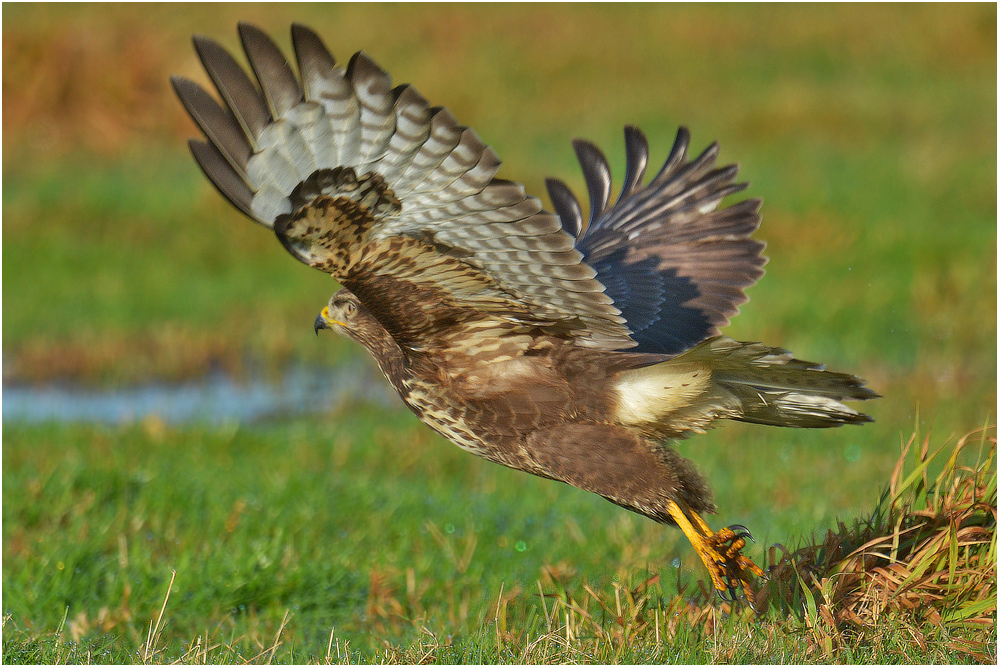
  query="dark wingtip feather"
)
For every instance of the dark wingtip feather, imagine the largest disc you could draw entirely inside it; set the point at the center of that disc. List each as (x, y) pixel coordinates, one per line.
(281, 88)
(636, 159)
(235, 87)
(566, 206)
(597, 175)
(305, 41)
(362, 68)
(218, 125)
(302, 30)
(222, 175)
(177, 81)
(705, 160)
(315, 61)
(678, 152)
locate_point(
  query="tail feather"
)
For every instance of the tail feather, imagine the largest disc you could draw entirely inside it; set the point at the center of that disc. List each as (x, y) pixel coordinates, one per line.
(749, 382)
(774, 388)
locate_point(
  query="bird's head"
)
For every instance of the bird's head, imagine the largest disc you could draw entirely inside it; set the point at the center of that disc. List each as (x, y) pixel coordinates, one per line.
(346, 315)
(341, 314)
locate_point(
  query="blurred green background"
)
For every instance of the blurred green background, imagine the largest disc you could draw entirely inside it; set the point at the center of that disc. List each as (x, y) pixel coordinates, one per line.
(868, 130)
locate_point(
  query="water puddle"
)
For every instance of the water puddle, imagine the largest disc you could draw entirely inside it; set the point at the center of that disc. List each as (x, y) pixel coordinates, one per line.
(214, 399)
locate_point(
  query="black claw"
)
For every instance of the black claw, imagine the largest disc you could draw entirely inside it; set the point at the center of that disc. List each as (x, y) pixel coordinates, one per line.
(741, 532)
(732, 595)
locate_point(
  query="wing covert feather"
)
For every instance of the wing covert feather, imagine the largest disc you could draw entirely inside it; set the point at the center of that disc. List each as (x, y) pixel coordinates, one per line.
(401, 203)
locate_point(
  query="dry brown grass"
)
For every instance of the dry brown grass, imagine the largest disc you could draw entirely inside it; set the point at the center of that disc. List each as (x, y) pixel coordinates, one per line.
(922, 567)
(926, 558)
(168, 355)
(100, 91)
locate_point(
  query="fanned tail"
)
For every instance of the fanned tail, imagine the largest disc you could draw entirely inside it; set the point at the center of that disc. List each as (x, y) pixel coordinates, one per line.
(776, 389)
(750, 382)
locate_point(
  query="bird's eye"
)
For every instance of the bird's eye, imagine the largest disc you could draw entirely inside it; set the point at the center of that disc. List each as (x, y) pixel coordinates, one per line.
(350, 308)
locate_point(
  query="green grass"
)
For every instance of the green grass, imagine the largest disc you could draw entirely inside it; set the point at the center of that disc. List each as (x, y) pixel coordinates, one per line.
(870, 132)
(350, 526)
(367, 527)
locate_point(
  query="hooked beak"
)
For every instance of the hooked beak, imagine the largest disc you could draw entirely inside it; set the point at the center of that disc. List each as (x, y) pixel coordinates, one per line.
(320, 323)
(323, 321)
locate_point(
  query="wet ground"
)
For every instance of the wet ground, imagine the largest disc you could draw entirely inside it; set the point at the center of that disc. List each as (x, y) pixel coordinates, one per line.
(216, 398)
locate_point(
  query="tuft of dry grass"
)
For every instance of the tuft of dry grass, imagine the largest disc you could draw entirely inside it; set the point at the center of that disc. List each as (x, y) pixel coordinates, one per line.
(922, 565)
(925, 558)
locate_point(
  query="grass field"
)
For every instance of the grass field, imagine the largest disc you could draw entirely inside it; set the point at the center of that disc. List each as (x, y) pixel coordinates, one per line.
(870, 132)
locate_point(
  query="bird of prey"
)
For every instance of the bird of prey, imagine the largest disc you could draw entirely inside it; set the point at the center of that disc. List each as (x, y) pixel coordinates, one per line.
(574, 348)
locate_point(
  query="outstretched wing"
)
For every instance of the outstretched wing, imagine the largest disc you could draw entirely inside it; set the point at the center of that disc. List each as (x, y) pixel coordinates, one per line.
(400, 203)
(674, 264)
(392, 197)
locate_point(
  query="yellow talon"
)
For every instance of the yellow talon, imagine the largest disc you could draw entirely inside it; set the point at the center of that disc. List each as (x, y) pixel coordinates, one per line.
(719, 551)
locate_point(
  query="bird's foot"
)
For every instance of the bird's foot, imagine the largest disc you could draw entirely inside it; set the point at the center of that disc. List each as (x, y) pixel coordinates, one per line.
(731, 571)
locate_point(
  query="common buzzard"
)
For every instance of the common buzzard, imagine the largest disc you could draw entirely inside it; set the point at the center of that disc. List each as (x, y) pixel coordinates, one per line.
(572, 348)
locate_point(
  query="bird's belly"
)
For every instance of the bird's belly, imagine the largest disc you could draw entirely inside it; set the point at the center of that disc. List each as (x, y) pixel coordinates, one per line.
(666, 399)
(444, 417)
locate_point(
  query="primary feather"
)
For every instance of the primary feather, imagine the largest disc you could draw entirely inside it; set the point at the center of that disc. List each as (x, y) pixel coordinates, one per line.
(658, 271)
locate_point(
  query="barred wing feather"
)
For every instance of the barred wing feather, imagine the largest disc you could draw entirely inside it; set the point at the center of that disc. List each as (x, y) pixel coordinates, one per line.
(675, 264)
(399, 202)
(291, 147)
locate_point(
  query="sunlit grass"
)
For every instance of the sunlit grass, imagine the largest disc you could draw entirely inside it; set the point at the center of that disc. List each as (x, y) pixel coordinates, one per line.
(870, 132)
(342, 541)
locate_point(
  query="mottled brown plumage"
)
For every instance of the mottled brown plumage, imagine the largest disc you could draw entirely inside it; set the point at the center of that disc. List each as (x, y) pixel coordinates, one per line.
(570, 349)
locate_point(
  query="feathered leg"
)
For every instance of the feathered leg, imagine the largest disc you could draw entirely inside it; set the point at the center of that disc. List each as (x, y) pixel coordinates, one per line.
(650, 480)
